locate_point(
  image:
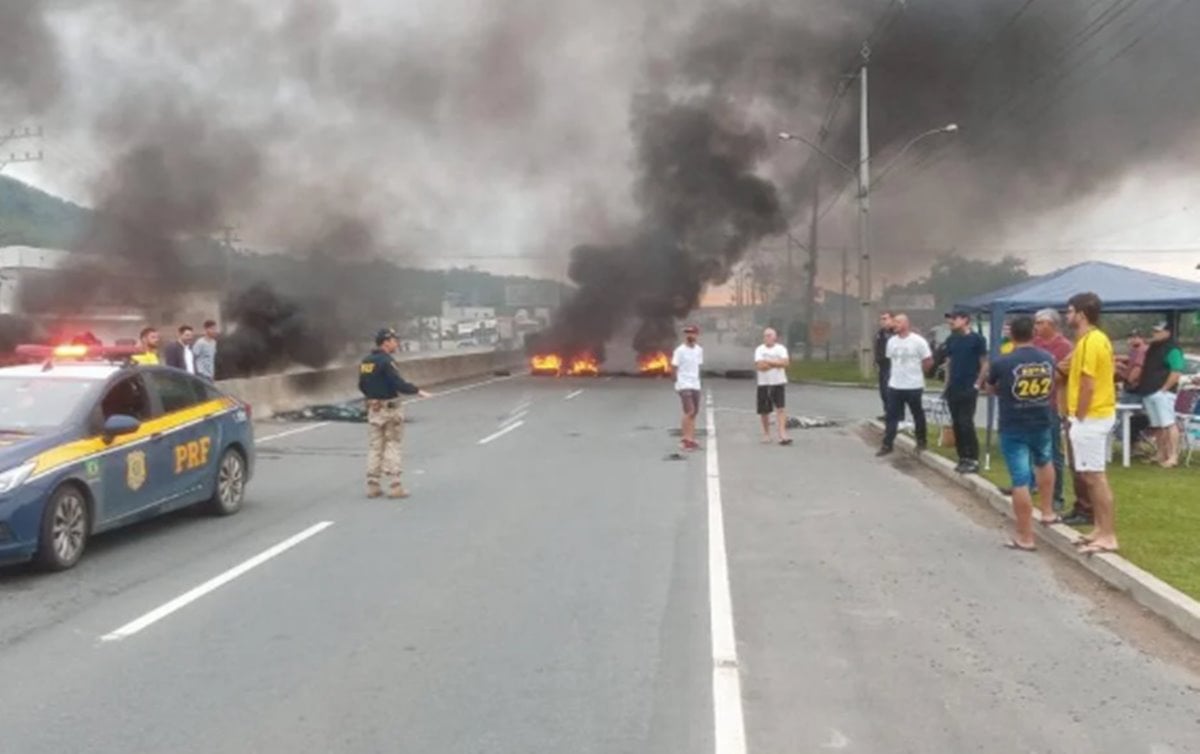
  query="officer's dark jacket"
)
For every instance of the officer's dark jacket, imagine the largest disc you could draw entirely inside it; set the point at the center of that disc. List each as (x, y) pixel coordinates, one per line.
(379, 380)
(881, 340)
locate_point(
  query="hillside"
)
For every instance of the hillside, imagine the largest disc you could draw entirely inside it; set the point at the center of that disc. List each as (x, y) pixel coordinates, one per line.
(31, 217)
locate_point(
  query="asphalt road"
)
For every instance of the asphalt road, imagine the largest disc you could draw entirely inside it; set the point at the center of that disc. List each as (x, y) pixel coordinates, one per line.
(546, 589)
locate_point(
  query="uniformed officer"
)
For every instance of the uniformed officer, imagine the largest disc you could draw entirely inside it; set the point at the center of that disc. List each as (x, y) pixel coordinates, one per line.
(381, 384)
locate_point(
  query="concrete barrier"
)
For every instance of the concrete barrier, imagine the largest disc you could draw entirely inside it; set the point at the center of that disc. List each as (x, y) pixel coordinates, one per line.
(273, 393)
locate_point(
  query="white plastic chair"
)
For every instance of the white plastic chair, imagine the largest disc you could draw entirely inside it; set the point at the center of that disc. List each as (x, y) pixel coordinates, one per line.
(1188, 421)
(937, 412)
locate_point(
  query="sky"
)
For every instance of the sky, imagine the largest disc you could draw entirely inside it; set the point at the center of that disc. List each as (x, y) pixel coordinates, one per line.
(470, 134)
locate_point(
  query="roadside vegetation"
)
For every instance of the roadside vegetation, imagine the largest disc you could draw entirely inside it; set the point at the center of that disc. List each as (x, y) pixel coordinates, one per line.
(1158, 514)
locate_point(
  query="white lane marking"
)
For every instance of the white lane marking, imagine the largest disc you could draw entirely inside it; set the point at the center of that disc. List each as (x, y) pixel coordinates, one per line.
(521, 408)
(729, 726)
(463, 388)
(290, 432)
(183, 600)
(515, 417)
(318, 425)
(501, 433)
(574, 395)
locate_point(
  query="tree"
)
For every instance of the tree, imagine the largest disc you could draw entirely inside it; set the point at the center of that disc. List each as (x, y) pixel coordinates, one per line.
(953, 278)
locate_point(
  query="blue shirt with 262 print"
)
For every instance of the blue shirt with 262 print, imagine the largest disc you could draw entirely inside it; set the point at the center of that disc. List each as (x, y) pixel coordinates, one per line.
(1024, 380)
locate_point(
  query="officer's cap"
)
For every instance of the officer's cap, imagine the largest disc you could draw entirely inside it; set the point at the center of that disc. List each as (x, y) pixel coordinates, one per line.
(384, 335)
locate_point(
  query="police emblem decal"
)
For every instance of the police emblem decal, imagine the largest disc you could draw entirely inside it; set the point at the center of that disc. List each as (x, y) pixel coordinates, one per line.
(135, 470)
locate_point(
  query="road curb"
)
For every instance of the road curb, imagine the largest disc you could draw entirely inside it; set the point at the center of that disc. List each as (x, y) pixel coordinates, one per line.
(1148, 590)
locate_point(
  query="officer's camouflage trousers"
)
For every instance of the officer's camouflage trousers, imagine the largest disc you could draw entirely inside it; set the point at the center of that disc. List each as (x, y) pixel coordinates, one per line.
(385, 432)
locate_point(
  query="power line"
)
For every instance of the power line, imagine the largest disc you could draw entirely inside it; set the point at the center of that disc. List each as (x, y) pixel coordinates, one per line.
(1126, 227)
(1050, 97)
(15, 134)
(1026, 96)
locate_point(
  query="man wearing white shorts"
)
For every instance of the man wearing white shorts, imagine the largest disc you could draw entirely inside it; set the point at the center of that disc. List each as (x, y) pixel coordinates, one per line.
(1092, 411)
(1161, 372)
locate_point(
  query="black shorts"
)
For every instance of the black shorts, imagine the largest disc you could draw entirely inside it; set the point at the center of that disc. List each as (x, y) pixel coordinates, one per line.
(771, 398)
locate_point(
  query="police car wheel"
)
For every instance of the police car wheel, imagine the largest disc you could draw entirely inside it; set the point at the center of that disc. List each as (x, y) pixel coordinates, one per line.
(231, 484)
(66, 522)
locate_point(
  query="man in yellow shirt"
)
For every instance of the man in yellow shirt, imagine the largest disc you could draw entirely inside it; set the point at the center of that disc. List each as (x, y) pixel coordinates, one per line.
(148, 339)
(1092, 411)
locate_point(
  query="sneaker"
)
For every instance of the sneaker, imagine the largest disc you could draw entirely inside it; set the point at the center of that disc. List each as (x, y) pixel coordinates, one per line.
(1078, 519)
(922, 447)
(961, 468)
(397, 492)
(970, 467)
(884, 452)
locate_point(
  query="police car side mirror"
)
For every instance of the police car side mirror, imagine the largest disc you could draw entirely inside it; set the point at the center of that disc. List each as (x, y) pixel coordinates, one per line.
(120, 424)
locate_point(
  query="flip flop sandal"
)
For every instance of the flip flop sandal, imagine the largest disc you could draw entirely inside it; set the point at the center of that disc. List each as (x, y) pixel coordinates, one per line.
(1050, 521)
(1093, 550)
(788, 441)
(1012, 544)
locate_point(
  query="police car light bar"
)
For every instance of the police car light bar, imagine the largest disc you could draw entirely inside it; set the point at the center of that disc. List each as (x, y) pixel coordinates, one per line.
(77, 352)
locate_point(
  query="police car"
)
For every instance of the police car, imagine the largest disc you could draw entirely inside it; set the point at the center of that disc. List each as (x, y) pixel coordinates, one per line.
(91, 442)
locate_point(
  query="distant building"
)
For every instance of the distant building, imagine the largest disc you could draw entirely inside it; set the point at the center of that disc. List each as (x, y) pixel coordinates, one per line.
(106, 319)
(464, 313)
(18, 264)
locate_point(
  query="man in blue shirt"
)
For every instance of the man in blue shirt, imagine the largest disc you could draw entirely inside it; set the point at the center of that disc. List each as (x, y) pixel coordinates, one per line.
(966, 352)
(1022, 382)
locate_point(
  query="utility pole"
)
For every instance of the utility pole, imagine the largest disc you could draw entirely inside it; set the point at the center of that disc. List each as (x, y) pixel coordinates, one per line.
(864, 205)
(810, 293)
(791, 269)
(13, 134)
(845, 293)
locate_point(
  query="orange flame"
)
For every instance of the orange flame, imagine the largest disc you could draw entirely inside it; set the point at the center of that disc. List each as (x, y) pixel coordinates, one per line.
(584, 365)
(550, 362)
(654, 363)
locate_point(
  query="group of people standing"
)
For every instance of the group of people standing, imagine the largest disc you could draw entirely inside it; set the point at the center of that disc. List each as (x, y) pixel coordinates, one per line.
(196, 356)
(771, 360)
(1044, 384)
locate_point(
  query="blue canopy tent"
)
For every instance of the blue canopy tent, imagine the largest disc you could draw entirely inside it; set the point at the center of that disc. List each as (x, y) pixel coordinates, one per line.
(1122, 289)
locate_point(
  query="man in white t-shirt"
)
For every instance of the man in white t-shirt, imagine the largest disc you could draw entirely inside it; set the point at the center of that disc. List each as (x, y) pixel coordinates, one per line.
(687, 360)
(911, 358)
(771, 360)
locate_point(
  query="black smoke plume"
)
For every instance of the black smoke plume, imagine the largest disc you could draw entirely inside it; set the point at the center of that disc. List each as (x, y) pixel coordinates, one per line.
(30, 72)
(1055, 102)
(456, 128)
(704, 206)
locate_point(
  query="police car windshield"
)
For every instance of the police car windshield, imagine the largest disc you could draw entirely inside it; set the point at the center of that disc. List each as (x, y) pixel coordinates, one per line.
(31, 404)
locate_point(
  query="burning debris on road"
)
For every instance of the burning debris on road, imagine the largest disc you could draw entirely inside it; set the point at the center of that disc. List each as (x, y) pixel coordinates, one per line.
(554, 365)
(546, 365)
(656, 364)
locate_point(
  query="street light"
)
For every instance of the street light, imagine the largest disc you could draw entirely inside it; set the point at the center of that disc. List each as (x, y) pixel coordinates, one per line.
(949, 128)
(862, 173)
